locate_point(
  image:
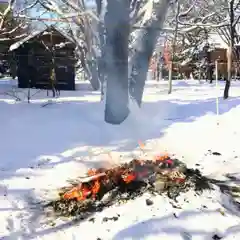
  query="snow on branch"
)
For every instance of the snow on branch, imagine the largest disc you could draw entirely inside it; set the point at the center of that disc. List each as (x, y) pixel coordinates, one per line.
(10, 26)
(204, 14)
(187, 11)
(27, 7)
(6, 12)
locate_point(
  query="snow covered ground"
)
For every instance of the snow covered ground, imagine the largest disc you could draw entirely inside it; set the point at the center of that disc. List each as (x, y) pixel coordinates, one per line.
(42, 147)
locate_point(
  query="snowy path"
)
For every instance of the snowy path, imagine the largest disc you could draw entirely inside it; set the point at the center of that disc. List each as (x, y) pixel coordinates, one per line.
(42, 147)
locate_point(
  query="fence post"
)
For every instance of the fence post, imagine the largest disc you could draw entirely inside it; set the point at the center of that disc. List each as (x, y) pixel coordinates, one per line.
(199, 74)
(160, 77)
(170, 77)
(217, 100)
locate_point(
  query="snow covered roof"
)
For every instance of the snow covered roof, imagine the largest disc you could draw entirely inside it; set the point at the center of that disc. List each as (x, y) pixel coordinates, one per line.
(16, 45)
(215, 40)
(38, 32)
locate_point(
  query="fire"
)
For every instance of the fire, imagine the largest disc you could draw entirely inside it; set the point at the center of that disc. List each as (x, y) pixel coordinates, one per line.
(161, 157)
(129, 177)
(96, 188)
(104, 187)
(97, 179)
(92, 172)
(92, 188)
(79, 193)
(83, 191)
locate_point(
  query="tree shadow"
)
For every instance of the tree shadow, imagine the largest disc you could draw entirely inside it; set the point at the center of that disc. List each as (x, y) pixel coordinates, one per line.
(168, 226)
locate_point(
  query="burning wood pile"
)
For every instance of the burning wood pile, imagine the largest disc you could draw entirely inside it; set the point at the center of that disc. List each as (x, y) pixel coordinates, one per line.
(104, 187)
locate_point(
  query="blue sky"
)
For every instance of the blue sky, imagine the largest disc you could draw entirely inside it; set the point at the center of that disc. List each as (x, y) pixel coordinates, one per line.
(36, 11)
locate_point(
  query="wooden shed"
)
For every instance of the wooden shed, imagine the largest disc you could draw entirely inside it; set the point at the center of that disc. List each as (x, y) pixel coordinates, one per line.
(45, 58)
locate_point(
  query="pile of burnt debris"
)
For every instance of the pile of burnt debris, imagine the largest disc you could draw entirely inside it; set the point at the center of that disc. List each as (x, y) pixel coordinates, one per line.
(104, 187)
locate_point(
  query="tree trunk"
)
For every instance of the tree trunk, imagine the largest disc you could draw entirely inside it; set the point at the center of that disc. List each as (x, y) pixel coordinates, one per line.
(116, 54)
(173, 50)
(93, 76)
(229, 75)
(230, 51)
(146, 42)
(89, 67)
(100, 59)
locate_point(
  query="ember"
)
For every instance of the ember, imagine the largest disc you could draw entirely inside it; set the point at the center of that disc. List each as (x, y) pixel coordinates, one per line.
(103, 187)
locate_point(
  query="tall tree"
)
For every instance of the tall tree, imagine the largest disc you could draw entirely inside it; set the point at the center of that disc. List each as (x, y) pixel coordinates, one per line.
(117, 24)
(101, 41)
(146, 41)
(231, 7)
(174, 41)
(122, 17)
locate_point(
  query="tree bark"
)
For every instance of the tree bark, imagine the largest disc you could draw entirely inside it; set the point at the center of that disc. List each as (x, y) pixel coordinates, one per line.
(146, 42)
(116, 55)
(230, 51)
(173, 49)
(93, 75)
(100, 59)
(229, 75)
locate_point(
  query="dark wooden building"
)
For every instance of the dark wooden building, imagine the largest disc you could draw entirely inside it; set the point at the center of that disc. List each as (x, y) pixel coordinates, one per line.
(45, 58)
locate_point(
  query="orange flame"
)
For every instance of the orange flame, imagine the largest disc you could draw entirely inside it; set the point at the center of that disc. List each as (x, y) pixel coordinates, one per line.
(91, 172)
(98, 177)
(127, 178)
(161, 157)
(79, 193)
(96, 188)
(82, 191)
